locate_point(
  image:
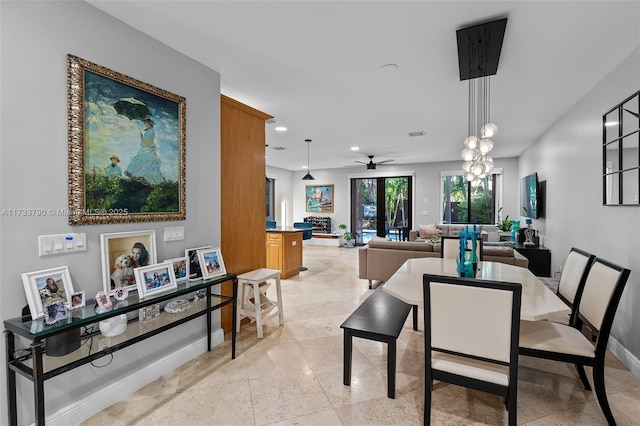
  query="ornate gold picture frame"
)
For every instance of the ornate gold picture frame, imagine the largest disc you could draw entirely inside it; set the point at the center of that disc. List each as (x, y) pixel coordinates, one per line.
(126, 148)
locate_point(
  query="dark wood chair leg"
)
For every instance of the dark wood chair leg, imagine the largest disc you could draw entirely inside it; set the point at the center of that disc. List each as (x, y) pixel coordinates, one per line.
(391, 369)
(347, 358)
(428, 388)
(601, 393)
(512, 408)
(583, 376)
(415, 317)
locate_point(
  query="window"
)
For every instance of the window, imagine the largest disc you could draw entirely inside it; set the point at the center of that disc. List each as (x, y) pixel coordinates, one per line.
(470, 202)
(270, 199)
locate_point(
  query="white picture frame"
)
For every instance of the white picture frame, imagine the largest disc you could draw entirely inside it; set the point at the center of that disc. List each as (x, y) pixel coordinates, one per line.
(153, 280)
(78, 300)
(180, 268)
(195, 273)
(40, 291)
(211, 263)
(122, 252)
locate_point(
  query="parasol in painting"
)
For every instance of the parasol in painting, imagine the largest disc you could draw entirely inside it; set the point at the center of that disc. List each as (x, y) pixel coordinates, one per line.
(132, 108)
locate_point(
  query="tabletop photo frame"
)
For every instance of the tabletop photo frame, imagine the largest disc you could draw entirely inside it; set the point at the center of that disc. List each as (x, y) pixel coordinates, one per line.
(180, 268)
(45, 287)
(154, 280)
(78, 300)
(122, 252)
(211, 263)
(195, 273)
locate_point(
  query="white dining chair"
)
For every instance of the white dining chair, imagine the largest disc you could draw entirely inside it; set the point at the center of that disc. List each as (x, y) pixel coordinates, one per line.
(450, 247)
(596, 309)
(574, 274)
(471, 337)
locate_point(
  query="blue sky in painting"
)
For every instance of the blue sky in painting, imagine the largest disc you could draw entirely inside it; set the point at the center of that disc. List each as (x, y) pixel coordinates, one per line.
(108, 133)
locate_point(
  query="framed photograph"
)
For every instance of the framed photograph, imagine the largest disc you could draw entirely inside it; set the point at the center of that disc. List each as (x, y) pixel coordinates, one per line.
(319, 198)
(194, 262)
(120, 293)
(103, 302)
(45, 287)
(126, 148)
(155, 279)
(121, 253)
(55, 311)
(211, 263)
(78, 300)
(180, 268)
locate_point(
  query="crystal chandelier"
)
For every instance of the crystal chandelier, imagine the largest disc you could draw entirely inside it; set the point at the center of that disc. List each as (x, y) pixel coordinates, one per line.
(477, 146)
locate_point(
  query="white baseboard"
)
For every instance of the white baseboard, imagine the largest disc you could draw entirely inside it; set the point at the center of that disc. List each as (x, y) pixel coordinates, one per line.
(328, 242)
(78, 411)
(625, 357)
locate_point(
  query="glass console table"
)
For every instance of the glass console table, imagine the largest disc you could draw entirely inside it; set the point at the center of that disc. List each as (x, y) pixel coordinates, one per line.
(33, 363)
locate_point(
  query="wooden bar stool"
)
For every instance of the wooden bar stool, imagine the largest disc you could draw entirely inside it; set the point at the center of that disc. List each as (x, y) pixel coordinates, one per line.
(254, 303)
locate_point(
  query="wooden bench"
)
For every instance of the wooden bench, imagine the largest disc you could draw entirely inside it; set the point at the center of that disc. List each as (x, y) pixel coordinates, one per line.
(381, 318)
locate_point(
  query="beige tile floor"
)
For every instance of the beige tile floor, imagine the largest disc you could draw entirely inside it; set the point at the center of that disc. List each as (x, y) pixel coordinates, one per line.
(293, 376)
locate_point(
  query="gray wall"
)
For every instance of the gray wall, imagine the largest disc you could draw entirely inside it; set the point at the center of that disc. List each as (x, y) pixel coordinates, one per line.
(569, 158)
(283, 209)
(36, 38)
(427, 185)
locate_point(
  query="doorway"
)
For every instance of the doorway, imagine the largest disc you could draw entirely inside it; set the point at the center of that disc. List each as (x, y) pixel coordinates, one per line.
(381, 206)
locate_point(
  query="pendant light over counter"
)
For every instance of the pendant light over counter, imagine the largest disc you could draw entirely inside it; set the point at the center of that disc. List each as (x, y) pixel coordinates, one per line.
(308, 175)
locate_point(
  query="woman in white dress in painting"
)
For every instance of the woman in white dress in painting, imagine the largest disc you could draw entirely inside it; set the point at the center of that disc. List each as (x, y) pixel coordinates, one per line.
(146, 164)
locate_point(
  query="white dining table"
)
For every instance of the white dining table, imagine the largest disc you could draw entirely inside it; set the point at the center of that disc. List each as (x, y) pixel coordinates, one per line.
(538, 301)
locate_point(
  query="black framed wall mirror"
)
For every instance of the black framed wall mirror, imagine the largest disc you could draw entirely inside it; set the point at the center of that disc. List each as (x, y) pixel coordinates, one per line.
(621, 153)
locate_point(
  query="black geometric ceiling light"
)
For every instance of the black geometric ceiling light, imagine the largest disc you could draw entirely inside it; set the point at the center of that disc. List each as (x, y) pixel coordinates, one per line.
(308, 175)
(479, 50)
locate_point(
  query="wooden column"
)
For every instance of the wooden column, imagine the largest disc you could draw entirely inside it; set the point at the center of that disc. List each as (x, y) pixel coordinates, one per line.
(243, 191)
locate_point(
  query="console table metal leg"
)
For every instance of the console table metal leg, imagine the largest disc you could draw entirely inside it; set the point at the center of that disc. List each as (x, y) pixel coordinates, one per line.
(209, 318)
(38, 381)
(234, 315)
(10, 344)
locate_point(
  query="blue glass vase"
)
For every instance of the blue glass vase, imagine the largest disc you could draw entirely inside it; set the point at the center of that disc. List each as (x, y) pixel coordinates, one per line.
(467, 265)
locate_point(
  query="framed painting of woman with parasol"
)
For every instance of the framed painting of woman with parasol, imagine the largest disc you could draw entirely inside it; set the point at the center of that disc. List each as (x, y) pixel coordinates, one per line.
(126, 148)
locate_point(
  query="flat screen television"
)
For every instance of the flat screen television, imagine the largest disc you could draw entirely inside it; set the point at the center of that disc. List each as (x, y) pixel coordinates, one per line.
(530, 196)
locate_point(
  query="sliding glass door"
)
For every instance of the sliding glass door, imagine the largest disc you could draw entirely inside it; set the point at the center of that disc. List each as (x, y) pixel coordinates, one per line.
(381, 206)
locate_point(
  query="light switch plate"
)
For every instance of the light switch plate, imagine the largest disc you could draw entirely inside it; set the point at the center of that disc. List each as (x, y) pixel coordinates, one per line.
(61, 243)
(175, 233)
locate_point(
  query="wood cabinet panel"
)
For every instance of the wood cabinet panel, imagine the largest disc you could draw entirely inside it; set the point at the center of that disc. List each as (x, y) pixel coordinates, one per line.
(242, 181)
(284, 252)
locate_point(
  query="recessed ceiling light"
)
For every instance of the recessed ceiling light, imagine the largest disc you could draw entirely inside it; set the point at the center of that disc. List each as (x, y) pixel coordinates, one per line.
(305, 167)
(355, 148)
(389, 67)
(281, 129)
(420, 133)
(611, 123)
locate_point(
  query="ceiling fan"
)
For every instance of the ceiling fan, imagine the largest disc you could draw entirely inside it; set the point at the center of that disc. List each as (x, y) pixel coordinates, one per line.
(371, 165)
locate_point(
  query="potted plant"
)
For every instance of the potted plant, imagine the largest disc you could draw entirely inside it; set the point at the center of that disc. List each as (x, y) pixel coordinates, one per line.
(504, 225)
(347, 237)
